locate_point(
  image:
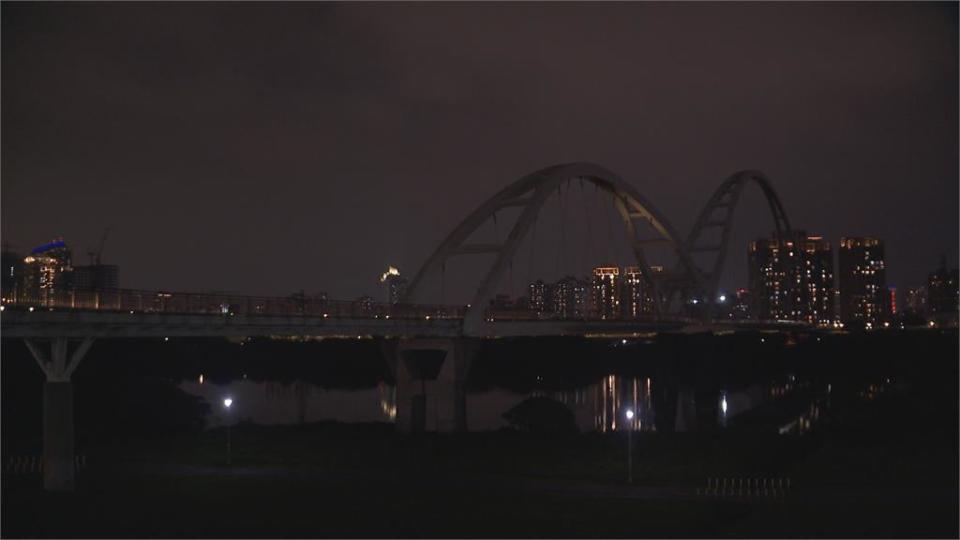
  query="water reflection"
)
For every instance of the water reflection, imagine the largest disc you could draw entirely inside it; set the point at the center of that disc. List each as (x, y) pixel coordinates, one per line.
(388, 400)
(602, 406)
(598, 407)
(276, 403)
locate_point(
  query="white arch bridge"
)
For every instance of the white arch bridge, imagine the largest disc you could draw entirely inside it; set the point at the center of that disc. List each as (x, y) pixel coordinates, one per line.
(49, 323)
(644, 225)
(694, 272)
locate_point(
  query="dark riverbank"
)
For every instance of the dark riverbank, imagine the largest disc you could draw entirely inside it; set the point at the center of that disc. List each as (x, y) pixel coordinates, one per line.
(880, 461)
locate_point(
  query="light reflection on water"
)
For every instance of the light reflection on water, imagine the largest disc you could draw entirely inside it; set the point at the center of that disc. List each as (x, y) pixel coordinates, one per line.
(275, 403)
(597, 407)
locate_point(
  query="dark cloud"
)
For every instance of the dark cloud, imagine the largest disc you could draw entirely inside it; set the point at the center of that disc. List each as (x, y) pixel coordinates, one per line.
(267, 148)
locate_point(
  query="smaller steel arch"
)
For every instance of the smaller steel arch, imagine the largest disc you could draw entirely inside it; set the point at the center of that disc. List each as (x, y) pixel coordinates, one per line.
(718, 213)
(530, 193)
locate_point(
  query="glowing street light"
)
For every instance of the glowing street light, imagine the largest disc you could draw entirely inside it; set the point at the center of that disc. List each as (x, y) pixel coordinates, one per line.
(629, 446)
(227, 402)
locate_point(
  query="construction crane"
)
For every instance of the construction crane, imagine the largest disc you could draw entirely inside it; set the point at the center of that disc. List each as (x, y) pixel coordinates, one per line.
(96, 255)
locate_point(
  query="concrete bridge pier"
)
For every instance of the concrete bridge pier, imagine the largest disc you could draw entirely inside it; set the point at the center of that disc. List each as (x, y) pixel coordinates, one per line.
(431, 379)
(58, 365)
(686, 419)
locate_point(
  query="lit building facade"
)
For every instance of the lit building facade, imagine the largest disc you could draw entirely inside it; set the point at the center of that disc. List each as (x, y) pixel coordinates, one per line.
(632, 293)
(813, 281)
(606, 292)
(649, 301)
(943, 287)
(395, 286)
(740, 305)
(540, 297)
(915, 301)
(863, 281)
(47, 269)
(768, 278)
(570, 298)
(792, 279)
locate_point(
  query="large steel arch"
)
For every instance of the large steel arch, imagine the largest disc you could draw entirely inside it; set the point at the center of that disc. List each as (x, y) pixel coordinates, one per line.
(718, 213)
(530, 193)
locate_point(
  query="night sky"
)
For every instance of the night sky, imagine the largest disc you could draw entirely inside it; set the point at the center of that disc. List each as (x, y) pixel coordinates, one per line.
(271, 148)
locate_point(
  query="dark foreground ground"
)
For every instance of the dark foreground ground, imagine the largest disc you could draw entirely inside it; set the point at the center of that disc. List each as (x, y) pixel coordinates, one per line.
(882, 478)
(882, 461)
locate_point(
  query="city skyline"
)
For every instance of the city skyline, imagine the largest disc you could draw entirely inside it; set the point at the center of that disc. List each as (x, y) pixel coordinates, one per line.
(481, 269)
(393, 285)
(328, 160)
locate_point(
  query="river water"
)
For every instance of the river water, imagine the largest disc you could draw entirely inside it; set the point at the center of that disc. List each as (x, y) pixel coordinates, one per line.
(601, 406)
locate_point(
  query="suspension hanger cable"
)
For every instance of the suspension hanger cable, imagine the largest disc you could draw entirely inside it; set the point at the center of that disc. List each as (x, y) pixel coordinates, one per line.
(588, 239)
(602, 216)
(533, 250)
(556, 270)
(614, 237)
(610, 241)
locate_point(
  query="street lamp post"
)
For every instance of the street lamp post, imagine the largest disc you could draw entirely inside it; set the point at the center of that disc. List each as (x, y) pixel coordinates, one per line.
(227, 402)
(629, 446)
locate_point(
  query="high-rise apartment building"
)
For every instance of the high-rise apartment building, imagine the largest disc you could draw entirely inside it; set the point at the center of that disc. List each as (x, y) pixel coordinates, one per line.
(569, 298)
(632, 286)
(395, 286)
(915, 301)
(813, 278)
(792, 279)
(47, 269)
(540, 297)
(863, 282)
(943, 288)
(606, 292)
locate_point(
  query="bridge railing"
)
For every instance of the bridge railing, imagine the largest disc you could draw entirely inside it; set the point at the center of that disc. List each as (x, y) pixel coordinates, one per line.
(138, 301)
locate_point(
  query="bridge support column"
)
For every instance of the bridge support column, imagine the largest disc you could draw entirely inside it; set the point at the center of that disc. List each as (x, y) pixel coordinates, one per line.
(686, 409)
(431, 383)
(58, 432)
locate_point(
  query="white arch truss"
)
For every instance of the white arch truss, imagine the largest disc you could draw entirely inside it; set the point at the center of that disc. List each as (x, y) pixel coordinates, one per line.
(530, 193)
(718, 213)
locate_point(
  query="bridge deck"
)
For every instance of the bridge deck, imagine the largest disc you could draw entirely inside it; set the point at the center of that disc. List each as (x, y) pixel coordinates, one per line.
(133, 313)
(79, 324)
